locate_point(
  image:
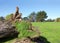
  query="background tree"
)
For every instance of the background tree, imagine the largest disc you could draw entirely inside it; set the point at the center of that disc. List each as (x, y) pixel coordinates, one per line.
(41, 16)
(25, 18)
(49, 20)
(8, 17)
(2, 18)
(32, 16)
(57, 20)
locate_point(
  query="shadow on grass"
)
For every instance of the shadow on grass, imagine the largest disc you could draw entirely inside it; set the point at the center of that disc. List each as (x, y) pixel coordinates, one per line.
(3, 40)
(40, 39)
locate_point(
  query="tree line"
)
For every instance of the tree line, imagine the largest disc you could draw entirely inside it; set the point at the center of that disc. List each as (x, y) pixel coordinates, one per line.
(40, 16)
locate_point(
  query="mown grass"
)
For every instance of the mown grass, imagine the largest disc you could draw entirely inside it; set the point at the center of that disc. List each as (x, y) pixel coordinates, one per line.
(50, 30)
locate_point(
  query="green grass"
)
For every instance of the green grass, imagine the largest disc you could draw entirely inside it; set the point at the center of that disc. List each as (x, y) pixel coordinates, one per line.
(50, 30)
(23, 28)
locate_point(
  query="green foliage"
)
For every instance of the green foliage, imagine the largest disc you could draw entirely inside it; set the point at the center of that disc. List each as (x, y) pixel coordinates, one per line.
(25, 18)
(57, 19)
(50, 20)
(41, 16)
(8, 17)
(22, 28)
(32, 16)
(2, 18)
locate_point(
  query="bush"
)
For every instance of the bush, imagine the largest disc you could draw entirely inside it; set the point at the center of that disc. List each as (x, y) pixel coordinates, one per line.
(57, 20)
(8, 17)
(2, 18)
(22, 28)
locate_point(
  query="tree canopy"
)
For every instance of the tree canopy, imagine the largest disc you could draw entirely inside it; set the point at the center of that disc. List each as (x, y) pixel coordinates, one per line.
(41, 16)
(32, 16)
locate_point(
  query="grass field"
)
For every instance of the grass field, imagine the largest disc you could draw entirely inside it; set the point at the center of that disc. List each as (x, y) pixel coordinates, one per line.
(50, 30)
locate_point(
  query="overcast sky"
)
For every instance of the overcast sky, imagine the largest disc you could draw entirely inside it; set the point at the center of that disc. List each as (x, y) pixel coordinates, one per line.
(52, 7)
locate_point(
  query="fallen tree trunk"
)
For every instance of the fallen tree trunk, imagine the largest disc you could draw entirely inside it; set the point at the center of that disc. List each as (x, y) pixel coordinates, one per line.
(7, 30)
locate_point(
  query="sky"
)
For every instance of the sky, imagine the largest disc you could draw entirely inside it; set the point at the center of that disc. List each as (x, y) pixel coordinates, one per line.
(51, 7)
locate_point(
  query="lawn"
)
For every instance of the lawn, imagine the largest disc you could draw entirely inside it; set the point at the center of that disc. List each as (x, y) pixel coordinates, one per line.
(50, 30)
